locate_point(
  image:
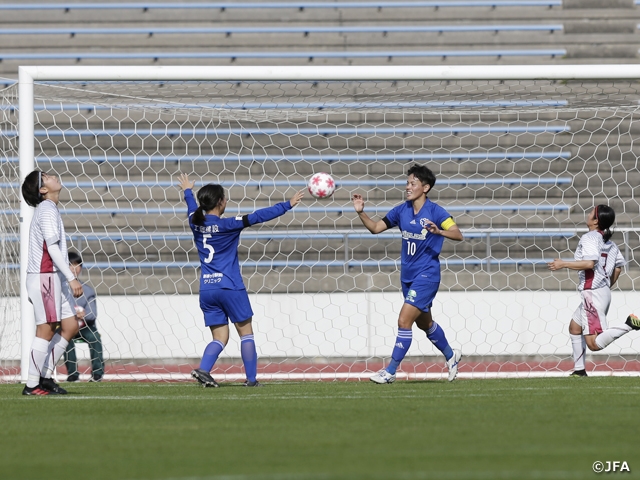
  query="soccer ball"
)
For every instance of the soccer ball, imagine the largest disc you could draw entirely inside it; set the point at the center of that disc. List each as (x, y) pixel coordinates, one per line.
(321, 185)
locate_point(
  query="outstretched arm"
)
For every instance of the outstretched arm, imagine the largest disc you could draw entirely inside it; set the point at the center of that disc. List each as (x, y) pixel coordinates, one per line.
(370, 224)
(274, 211)
(297, 198)
(559, 264)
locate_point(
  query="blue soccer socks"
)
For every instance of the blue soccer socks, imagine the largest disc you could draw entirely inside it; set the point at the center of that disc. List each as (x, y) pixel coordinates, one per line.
(438, 338)
(210, 355)
(249, 357)
(400, 349)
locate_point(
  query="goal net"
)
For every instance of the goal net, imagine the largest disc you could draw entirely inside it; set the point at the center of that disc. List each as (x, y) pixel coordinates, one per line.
(519, 163)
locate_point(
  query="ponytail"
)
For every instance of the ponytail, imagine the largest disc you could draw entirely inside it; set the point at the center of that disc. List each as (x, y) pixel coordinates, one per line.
(198, 216)
(605, 216)
(209, 197)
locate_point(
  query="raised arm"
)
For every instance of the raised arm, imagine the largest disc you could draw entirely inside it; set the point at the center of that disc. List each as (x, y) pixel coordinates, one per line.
(370, 224)
(186, 186)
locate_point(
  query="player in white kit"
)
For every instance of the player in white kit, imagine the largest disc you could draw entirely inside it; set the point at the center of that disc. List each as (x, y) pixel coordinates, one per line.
(51, 285)
(599, 263)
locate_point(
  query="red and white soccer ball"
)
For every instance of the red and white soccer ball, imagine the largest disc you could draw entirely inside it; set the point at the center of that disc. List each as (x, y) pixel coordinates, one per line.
(321, 185)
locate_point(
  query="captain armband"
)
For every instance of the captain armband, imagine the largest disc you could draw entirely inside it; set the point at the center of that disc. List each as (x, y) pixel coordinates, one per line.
(447, 224)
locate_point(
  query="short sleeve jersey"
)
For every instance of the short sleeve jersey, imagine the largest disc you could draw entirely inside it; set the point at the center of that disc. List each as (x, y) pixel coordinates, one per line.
(607, 256)
(420, 249)
(46, 229)
(217, 243)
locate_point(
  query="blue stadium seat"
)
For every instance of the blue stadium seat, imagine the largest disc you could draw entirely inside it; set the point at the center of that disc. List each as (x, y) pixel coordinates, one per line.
(461, 156)
(231, 30)
(280, 5)
(446, 262)
(78, 238)
(458, 156)
(447, 182)
(303, 105)
(180, 210)
(302, 234)
(330, 130)
(79, 56)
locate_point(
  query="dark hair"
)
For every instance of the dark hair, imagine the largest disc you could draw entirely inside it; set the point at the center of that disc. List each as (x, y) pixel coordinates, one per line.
(209, 197)
(424, 174)
(606, 216)
(75, 258)
(31, 188)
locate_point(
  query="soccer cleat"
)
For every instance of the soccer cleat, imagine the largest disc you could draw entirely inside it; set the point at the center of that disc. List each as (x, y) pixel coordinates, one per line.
(633, 322)
(73, 378)
(36, 391)
(383, 377)
(452, 364)
(51, 386)
(205, 379)
(247, 383)
(96, 378)
(579, 373)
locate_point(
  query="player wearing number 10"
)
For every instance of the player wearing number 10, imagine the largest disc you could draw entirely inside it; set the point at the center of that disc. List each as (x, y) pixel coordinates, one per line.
(223, 295)
(424, 226)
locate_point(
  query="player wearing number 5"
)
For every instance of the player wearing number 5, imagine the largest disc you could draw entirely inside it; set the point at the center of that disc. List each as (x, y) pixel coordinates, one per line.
(599, 262)
(223, 295)
(424, 226)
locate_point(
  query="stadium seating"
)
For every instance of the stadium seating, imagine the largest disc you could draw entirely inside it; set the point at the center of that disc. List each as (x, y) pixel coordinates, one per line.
(528, 171)
(418, 32)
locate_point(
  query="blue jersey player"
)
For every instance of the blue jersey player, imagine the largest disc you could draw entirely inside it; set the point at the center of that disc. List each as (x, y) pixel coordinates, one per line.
(424, 226)
(223, 295)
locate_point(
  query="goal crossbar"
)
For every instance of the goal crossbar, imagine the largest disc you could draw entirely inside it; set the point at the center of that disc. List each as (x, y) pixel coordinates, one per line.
(30, 74)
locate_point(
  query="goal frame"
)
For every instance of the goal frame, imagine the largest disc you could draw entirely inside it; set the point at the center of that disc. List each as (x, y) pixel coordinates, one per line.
(29, 74)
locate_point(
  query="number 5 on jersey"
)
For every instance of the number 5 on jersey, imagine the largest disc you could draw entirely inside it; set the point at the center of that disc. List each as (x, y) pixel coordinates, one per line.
(207, 247)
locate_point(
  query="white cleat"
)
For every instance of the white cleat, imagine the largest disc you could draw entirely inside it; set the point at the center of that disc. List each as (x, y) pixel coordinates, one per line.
(452, 364)
(383, 377)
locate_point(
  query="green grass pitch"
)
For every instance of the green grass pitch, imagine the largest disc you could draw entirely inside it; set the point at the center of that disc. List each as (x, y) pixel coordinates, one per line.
(552, 428)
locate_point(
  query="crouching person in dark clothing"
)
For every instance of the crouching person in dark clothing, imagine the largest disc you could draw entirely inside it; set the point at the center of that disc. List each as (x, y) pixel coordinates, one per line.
(86, 312)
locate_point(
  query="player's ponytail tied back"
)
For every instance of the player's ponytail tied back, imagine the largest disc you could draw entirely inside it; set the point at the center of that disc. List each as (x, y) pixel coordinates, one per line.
(209, 197)
(606, 216)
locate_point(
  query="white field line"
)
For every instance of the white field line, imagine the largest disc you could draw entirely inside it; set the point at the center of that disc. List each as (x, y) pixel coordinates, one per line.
(332, 376)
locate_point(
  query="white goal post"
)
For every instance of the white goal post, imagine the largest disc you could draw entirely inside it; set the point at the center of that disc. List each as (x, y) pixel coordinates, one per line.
(490, 296)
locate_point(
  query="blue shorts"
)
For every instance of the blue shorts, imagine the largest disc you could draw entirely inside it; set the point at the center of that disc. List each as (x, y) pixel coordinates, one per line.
(221, 304)
(420, 293)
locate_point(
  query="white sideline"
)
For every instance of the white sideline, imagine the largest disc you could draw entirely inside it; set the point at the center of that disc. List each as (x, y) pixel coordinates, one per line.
(362, 376)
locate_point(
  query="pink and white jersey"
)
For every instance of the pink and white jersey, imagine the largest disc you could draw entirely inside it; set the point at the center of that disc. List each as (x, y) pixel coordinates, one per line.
(606, 255)
(46, 229)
